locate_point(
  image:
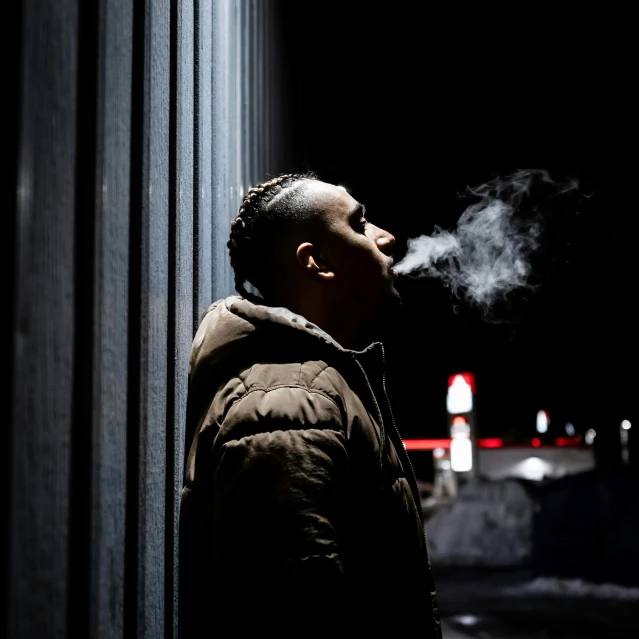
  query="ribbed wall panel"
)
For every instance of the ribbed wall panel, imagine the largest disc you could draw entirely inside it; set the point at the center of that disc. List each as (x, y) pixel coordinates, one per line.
(141, 125)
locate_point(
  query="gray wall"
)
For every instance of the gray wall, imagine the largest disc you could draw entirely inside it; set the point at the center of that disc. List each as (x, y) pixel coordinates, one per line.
(139, 127)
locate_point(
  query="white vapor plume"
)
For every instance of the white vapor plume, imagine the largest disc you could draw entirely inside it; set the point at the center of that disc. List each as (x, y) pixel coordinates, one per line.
(488, 255)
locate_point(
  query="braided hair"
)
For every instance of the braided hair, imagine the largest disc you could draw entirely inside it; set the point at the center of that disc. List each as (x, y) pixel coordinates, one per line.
(265, 209)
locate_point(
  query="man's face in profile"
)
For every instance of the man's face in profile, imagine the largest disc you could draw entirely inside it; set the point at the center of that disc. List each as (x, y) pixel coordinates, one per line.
(357, 251)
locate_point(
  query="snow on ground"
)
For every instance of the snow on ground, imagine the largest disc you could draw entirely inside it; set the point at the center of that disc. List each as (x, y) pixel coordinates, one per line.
(488, 524)
(470, 627)
(554, 587)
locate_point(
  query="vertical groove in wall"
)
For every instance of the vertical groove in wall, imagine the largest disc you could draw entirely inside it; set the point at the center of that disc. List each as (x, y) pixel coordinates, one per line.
(231, 169)
(244, 113)
(262, 13)
(131, 577)
(80, 479)
(196, 165)
(260, 166)
(173, 248)
(204, 56)
(278, 81)
(221, 124)
(266, 56)
(252, 105)
(8, 392)
(217, 54)
(274, 76)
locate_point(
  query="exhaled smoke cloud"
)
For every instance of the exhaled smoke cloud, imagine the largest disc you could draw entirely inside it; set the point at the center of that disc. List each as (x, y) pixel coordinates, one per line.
(489, 254)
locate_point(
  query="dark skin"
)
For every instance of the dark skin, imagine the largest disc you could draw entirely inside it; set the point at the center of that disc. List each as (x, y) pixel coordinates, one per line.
(337, 268)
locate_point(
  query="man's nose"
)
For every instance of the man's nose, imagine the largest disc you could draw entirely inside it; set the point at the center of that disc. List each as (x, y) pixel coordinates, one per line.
(385, 240)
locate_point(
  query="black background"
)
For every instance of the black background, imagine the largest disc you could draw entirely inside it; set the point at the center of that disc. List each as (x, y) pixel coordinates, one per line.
(406, 106)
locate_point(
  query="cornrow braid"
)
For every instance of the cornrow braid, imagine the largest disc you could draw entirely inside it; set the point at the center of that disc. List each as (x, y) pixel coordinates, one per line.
(254, 221)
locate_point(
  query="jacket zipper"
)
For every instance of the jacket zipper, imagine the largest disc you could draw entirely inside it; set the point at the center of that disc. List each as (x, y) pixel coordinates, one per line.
(380, 417)
(414, 486)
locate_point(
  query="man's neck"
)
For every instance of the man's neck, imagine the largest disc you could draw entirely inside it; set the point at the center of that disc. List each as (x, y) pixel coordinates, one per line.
(341, 328)
(342, 324)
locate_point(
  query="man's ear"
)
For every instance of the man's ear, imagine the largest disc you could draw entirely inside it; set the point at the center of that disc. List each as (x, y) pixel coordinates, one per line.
(311, 261)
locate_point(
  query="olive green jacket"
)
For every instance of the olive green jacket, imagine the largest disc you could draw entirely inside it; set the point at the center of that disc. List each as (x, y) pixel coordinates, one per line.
(299, 505)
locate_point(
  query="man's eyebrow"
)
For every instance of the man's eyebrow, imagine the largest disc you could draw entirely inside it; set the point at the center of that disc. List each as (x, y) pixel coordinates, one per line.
(358, 211)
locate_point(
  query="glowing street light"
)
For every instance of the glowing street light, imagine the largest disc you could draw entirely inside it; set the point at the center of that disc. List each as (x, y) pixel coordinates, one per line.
(542, 421)
(590, 436)
(623, 435)
(461, 447)
(459, 398)
(570, 429)
(461, 454)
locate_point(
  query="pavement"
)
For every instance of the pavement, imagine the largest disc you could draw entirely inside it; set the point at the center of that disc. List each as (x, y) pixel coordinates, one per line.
(539, 627)
(471, 627)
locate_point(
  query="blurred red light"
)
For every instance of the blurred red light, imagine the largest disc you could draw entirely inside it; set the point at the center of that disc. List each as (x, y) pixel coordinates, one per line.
(490, 443)
(426, 444)
(460, 420)
(567, 441)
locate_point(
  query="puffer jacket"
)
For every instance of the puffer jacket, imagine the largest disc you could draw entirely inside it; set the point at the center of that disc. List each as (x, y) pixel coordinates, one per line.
(300, 510)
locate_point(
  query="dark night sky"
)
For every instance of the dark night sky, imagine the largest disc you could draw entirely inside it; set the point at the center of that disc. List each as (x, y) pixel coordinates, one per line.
(406, 110)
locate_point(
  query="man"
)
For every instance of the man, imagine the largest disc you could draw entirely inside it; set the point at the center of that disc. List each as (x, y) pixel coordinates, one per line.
(300, 512)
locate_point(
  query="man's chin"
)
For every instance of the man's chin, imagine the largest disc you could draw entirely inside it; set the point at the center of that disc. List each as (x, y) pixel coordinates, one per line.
(395, 298)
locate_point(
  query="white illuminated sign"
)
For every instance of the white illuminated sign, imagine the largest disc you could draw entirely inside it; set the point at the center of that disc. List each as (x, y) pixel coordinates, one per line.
(542, 421)
(460, 396)
(461, 454)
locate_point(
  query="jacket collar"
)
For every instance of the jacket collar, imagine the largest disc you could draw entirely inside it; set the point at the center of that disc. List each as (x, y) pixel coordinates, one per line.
(261, 314)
